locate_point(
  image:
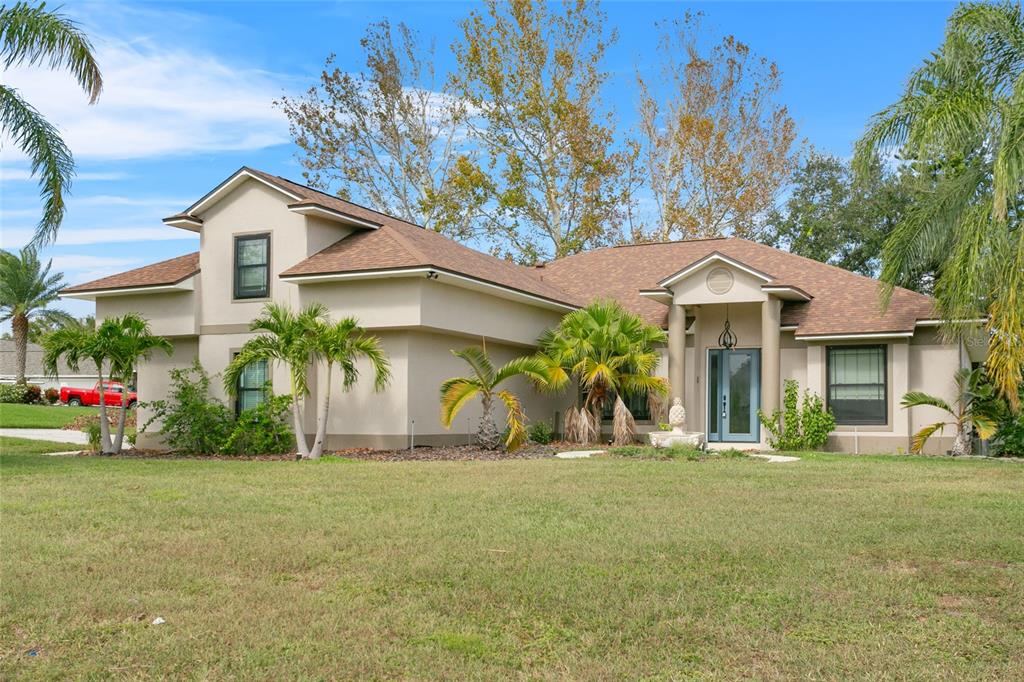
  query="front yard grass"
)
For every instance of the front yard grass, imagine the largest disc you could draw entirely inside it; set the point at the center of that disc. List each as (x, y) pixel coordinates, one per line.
(832, 567)
(16, 416)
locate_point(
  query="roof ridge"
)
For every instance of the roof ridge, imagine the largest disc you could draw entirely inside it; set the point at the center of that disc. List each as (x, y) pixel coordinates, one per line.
(406, 244)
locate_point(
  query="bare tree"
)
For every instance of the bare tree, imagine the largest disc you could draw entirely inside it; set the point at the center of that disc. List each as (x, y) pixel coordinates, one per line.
(532, 73)
(391, 136)
(715, 147)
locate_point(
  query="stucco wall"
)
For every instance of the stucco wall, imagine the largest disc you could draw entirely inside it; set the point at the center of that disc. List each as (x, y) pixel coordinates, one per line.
(154, 381)
(169, 314)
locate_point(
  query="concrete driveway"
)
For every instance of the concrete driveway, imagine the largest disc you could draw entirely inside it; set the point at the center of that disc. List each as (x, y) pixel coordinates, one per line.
(55, 435)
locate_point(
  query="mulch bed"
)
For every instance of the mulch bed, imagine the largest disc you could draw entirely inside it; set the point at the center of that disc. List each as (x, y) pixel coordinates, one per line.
(454, 453)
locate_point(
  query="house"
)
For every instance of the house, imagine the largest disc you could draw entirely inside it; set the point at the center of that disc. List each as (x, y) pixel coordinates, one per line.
(741, 317)
(34, 372)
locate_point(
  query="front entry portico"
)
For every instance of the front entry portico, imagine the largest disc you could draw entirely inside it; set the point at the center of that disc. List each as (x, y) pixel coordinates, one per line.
(734, 395)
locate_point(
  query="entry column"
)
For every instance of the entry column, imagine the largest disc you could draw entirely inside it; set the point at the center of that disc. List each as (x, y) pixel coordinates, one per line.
(676, 351)
(771, 320)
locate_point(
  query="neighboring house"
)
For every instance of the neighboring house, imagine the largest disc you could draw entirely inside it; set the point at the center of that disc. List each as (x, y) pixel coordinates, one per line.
(265, 238)
(34, 373)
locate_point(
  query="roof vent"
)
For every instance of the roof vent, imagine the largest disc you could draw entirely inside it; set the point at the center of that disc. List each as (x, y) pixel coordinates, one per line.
(719, 281)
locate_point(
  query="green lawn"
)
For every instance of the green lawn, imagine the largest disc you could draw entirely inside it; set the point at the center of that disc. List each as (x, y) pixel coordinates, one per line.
(832, 567)
(40, 416)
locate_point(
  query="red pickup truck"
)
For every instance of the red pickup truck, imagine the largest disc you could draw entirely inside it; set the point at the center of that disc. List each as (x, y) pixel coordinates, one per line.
(91, 396)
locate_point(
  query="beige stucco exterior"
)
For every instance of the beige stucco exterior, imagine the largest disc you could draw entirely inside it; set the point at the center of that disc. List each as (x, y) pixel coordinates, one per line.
(420, 320)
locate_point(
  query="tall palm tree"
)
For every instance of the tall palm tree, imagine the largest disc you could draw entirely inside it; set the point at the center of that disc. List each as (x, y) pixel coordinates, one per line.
(344, 344)
(76, 345)
(610, 352)
(973, 410)
(960, 123)
(32, 35)
(26, 288)
(126, 340)
(289, 339)
(484, 381)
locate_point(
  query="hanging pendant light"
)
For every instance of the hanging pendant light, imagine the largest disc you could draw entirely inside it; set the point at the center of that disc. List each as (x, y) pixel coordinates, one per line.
(727, 339)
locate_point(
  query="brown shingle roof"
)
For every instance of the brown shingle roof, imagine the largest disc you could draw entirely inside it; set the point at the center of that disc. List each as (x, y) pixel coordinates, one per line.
(165, 272)
(843, 303)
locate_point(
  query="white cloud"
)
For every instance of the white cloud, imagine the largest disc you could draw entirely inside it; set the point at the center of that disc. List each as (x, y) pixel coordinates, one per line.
(112, 200)
(158, 100)
(75, 261)
(18, 237)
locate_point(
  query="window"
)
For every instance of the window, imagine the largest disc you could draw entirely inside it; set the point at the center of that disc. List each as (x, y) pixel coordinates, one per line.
(637, 405)
(251, 386)
(252, 266)
(856, 384)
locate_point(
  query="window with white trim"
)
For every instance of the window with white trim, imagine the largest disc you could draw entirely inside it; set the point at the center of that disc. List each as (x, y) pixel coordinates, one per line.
(252, 266)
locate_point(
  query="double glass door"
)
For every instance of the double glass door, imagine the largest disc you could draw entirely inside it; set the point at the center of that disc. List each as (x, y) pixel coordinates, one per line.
(734, 395)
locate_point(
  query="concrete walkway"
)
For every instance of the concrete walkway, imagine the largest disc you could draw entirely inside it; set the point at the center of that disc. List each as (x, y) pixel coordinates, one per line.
(578, 454)
(777, 458)
(55, 435)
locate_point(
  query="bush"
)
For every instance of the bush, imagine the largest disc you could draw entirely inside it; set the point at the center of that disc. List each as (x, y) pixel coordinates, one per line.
(52, 395)
(541, 432)
(12, 393)
(193, 422)
(1009, 439)
(28, 394)
(93, 433)
(797, 427)
(262, 430)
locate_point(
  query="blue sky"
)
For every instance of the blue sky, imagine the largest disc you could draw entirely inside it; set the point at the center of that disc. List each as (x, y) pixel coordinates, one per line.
(189, 88)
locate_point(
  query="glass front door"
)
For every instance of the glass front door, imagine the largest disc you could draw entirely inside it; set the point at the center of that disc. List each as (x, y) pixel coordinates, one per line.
(734, 394)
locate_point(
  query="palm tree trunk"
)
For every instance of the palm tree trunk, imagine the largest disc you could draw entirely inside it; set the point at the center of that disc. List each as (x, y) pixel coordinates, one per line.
(19, 328)
(962, 442)
(105, 447)
(488, 434)
(119, 439)
(321, 418)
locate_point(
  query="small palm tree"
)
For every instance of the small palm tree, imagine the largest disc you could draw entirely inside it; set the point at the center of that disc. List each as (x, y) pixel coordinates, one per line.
(484, 381)
(289, 339)
(973, 410)
(343, 344)
(114, 349)
(126, 340)
(32, 35)
(610, 352)
(26, 288)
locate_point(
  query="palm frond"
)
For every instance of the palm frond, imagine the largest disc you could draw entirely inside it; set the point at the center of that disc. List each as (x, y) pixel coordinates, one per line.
(477, 358)
(455, 393)
(922, 436)
(49, 158)
(919, 399)
(33, 35)
(515, 421)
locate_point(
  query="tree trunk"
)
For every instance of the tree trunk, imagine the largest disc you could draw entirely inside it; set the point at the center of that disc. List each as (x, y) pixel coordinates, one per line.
(321, 418)
(105, 447)
(488, 434)
(19, 329)
(962, 442)
(119, 438)
(300, 432)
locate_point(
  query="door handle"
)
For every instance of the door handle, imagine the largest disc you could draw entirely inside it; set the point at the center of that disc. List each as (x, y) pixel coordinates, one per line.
(724, 408)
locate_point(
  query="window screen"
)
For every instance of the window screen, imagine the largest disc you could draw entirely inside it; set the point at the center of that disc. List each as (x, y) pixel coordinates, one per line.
(250, 386)
(856, 384)
(252, 271)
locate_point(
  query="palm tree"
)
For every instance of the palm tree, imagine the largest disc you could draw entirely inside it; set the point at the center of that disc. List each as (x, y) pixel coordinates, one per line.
(26, 288)
(290, 340)
(960, 122)
(610, 352)
(77, 345)
(31, 35)
(126, 340)
(973, 410)
(343, 344)
(484, 381)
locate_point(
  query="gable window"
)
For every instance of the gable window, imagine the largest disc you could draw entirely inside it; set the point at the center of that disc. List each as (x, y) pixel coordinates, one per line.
(857, 384)
(252, 266)
(251, 386)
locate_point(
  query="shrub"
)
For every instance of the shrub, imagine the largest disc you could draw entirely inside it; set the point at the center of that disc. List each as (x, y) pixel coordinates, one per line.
(1009, 439)
(262, 430)
(33, 394)
(541, 432)
(798, 427)
(12, 393)
(52, 395)
(192, 422)
(92, 432)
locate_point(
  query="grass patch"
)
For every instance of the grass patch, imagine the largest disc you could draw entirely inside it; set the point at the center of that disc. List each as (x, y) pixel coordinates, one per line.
(15, 416)
(830, 568)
